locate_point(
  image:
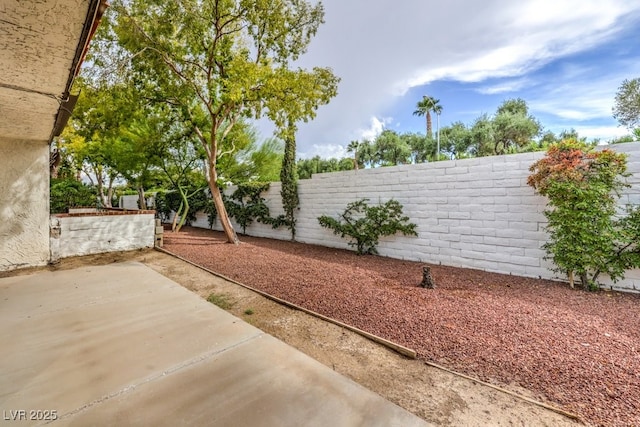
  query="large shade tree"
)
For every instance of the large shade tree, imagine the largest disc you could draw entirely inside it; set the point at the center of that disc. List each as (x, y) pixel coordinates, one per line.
(456, 140)
(180, 157)
(225, 60)
(115, 133)
(514, 128)
(307, 167)
(510, 130)
(250, 159)
(392, 149)
(135, 153)
(627, 104)
(92, 137)
(422, 148)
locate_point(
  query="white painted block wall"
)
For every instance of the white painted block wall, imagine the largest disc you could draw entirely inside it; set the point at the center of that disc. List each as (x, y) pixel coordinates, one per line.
(130, 201)
(475, 213)
(85, 235)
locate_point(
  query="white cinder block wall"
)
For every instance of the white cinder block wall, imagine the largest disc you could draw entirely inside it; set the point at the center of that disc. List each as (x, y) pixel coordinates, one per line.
(474, 213)
(92, 234)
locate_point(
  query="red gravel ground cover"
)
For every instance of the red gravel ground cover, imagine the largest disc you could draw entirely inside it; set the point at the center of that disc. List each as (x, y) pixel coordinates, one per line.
(578, 350)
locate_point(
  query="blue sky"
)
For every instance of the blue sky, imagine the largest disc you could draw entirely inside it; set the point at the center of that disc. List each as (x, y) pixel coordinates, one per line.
(566, 58)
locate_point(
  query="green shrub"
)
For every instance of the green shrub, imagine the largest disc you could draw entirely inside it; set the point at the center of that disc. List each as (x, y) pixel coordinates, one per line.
(588, 235)
(365, 224)
(245, 204)
(170, 201)
(210, 210)
(69, 193)
(162, 205)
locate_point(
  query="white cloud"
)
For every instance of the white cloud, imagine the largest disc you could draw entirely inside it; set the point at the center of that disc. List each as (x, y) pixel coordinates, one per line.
(580, 97)
(325, 151)
(504, 87)
(575, 106)
(376, 128)
(382, 51)
(521, 37)
(605, 133)
(339, 150)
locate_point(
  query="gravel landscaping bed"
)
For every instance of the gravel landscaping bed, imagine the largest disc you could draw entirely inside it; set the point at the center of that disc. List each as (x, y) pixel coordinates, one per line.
(578, 350)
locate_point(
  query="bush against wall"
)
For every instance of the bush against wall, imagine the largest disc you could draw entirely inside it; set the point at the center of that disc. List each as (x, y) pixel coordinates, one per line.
(245, 204)
(164, 203)
(589, 236)
(170, 202)
(365, 224)
(69, 193)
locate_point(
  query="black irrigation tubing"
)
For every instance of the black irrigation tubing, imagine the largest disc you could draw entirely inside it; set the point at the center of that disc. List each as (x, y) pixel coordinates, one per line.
(405, 351)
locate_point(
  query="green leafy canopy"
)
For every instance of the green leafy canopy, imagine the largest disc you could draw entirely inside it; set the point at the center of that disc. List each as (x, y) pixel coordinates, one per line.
(627, 104)
(222, 61)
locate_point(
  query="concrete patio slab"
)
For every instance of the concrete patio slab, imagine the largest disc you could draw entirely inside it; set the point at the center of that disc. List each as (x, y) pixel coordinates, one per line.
(123, 345)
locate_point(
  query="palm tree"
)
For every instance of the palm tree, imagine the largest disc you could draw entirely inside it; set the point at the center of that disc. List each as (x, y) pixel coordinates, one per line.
(437, 108)
(424, 107)
(353, 148)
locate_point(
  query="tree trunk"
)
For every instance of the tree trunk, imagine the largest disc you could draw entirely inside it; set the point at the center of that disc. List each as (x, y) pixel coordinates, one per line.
(185, 210)
(175, 217)
(110, 192)
(232, 237)
(100, 185)
(584, 279)
(142, 203)
(571, 279)
(429, 131)
(107, 200)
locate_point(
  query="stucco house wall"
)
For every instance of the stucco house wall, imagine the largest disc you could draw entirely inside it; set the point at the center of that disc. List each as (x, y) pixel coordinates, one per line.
(42, 43)
(24, 203)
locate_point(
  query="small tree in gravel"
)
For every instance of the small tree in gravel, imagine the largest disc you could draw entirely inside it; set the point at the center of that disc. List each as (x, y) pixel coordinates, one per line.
(588, 233)
(365, 224)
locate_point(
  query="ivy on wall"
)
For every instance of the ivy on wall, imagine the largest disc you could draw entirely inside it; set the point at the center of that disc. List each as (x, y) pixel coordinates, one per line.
(365, 224)
(245, 204)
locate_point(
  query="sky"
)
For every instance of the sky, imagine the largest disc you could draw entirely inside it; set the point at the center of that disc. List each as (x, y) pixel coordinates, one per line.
(565, 58)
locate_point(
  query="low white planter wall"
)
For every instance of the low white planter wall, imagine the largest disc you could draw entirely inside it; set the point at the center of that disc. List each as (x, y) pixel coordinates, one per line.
(109, 231)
